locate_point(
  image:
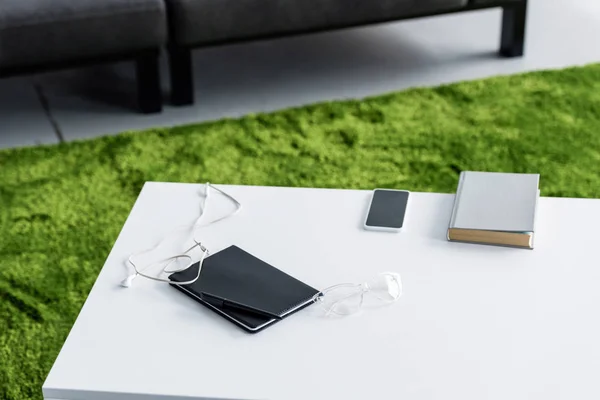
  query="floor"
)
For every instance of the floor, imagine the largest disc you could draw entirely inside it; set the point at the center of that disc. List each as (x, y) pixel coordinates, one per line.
(262, 76)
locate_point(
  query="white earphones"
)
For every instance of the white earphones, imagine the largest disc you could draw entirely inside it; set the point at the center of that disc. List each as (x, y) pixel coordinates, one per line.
(128, 282)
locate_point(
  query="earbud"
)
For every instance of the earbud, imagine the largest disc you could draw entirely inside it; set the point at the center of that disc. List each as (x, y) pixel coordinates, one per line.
(128, 281)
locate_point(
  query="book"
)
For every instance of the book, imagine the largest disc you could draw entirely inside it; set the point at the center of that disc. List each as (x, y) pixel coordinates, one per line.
(244, 289)
(495, 208)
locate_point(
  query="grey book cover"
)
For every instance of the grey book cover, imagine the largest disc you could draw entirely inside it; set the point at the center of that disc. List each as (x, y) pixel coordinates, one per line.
(496, 201)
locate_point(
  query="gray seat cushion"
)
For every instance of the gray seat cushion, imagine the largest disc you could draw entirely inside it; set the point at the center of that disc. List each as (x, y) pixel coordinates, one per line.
(196, 22)
(483, 2)
(34, 32)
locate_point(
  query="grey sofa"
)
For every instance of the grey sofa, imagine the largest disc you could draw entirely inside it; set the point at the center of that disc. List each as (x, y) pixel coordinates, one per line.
(197, 23)
(40, 35)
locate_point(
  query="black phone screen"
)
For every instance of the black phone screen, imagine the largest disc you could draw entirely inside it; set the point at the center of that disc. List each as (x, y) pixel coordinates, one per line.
(388, 208)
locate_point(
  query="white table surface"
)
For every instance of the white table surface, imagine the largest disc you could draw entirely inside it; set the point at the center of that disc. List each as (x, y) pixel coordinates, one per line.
(475, 322)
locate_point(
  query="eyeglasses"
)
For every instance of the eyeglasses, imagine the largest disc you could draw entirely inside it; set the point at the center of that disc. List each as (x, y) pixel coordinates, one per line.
(183, 261)
(348, 298)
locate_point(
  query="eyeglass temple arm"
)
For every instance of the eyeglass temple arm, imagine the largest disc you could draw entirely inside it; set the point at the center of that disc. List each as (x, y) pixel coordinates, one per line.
(322, 293)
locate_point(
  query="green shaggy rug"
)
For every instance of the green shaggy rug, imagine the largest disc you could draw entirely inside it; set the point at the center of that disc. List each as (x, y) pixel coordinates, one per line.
(61, 207)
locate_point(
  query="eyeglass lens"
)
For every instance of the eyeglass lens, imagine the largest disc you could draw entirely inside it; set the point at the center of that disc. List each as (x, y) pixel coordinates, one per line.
(348, 299)
(386, 287)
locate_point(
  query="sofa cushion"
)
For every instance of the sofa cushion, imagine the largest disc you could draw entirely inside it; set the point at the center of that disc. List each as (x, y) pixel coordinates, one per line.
(482, 2)
(196, 22)
(37, 32)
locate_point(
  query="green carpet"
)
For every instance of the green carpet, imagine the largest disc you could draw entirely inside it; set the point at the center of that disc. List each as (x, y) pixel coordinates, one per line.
(61, 207)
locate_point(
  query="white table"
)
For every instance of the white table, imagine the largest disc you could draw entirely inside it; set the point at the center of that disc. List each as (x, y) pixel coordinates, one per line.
(475, 322)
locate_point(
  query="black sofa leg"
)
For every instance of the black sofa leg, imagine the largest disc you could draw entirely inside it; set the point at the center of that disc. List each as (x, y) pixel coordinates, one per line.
(182, 79)
(148, 83)
(514, 19)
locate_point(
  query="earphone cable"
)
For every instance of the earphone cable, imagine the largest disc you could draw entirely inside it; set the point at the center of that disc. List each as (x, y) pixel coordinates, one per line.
(194, 228)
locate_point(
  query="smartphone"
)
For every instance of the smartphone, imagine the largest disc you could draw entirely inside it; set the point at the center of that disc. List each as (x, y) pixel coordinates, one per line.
(387, 210)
